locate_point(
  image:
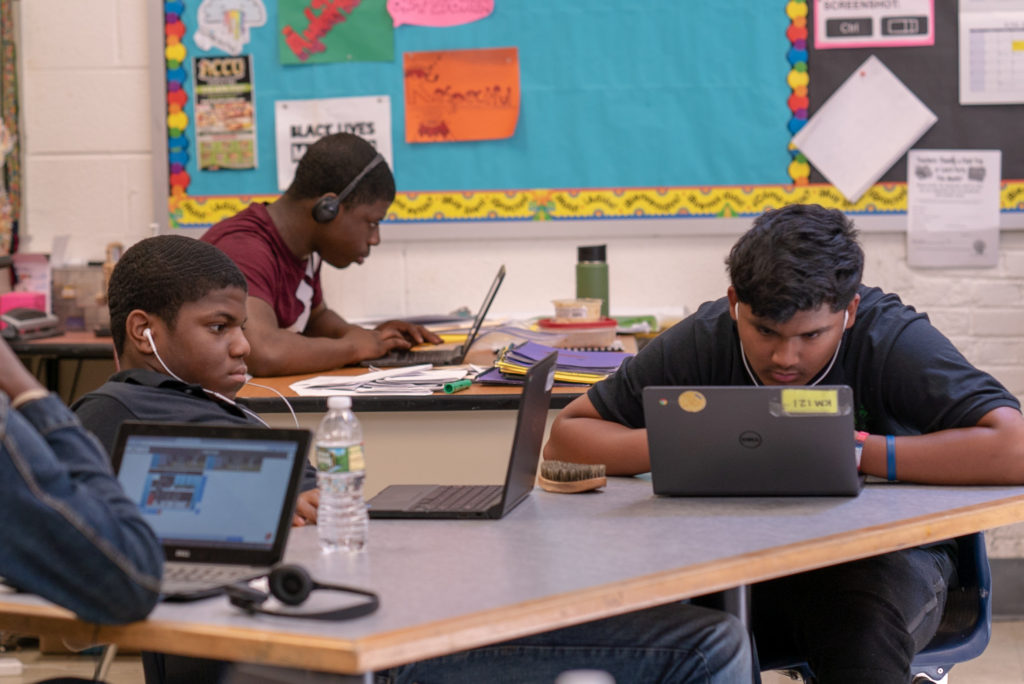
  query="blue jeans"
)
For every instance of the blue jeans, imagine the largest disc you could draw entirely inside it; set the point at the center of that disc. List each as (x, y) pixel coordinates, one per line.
(856, 622)
(674, 643)
(678, 642)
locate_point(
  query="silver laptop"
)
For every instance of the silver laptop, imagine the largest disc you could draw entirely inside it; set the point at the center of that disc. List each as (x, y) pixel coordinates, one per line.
(484, 501)
(446, 356)
(751, 441)
(220, 498)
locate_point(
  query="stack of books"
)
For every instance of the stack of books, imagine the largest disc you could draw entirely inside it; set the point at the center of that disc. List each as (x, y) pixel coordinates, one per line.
(572, 367)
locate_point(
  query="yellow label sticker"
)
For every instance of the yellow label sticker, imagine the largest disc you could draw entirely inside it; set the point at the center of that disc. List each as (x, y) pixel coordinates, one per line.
(692, 401)
(1018, 45)
(810, 401)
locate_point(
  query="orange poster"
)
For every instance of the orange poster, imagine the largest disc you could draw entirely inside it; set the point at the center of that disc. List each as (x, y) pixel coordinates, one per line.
(455, 95)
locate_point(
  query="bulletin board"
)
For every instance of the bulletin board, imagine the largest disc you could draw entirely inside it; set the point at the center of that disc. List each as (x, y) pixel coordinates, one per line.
(656, 109)
(932, 72)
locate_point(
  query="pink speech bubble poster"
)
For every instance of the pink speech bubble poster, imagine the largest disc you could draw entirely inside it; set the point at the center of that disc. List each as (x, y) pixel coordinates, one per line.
(438, 12)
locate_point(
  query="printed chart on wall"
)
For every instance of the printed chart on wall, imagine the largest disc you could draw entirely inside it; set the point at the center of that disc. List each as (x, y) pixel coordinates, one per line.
(892, 79)
(502, 109)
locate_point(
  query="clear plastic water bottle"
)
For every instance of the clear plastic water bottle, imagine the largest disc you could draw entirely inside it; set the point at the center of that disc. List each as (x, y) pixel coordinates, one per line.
(342, 522)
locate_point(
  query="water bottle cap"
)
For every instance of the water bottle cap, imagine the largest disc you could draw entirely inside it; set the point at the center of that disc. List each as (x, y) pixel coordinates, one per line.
(339, 403)
(591, 253)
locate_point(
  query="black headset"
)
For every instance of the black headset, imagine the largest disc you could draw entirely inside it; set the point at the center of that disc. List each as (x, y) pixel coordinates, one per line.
(291, 584)
(326, 208)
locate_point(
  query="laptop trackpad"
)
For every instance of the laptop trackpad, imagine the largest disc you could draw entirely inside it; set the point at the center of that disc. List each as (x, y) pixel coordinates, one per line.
(400, 497)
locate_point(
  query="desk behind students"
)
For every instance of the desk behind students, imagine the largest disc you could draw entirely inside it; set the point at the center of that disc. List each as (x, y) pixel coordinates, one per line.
(461, 438)
(478, 397)
(90, 359)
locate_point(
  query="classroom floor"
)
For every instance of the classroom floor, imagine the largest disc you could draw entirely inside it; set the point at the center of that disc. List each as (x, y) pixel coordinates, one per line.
(1002, 663)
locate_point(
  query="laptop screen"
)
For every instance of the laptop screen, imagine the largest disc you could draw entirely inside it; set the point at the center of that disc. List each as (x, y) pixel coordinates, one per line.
(478, 320)
(218, 487)
(529, 435)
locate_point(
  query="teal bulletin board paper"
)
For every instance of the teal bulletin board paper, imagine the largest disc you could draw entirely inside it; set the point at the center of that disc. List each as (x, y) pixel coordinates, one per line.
(642, 94)
(340, 31)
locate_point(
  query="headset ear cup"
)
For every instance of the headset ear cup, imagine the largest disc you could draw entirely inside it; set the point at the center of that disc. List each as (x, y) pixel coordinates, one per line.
(245, 597)
(325, 209)
(290, 584)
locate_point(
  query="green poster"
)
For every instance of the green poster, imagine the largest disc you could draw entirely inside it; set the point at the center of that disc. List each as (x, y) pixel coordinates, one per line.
(315, 31)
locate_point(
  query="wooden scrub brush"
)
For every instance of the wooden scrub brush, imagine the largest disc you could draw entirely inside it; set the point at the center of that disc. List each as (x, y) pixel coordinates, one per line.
(570, 478)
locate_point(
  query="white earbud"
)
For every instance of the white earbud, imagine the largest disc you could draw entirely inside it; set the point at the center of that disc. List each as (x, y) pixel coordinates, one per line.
(835, 355)
(149, 336)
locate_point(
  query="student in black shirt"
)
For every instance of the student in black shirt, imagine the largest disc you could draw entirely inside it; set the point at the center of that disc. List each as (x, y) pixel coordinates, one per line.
(796, 313)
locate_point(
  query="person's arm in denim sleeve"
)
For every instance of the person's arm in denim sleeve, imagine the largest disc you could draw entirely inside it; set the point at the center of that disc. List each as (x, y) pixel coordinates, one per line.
(70, 534)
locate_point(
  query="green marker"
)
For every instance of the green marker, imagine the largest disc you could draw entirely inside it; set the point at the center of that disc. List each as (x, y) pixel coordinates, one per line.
(457, 386)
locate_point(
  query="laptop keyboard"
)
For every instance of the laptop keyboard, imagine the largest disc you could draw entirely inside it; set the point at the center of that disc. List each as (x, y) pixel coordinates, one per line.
(182, 578)
(460, 498)
(404, 357)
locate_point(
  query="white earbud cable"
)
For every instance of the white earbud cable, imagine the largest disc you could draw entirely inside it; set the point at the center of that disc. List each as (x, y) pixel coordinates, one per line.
(149, 336)
(283, 398)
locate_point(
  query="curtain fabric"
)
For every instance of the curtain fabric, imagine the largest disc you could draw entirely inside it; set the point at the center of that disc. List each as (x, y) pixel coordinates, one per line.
(10, 187)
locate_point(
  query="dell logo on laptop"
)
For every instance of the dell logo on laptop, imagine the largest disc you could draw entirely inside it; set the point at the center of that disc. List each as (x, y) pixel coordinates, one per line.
(750, 439)
(182, 553)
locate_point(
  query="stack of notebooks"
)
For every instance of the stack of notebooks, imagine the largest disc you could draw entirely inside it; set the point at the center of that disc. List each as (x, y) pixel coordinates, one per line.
(572, 367)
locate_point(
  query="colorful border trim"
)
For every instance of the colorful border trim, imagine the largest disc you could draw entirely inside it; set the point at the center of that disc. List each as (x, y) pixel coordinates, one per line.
(177, 97)
(797, 80)
(560, 205)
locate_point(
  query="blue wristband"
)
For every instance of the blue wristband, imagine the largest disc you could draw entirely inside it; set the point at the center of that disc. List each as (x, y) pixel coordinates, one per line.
(890, 458)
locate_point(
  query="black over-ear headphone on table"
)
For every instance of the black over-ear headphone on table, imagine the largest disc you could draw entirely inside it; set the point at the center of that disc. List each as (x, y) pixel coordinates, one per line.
(291, 584)
(326, 208)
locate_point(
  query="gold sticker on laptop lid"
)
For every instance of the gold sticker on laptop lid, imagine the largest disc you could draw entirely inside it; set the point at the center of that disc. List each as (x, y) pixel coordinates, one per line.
(810, 401)
(692, 401)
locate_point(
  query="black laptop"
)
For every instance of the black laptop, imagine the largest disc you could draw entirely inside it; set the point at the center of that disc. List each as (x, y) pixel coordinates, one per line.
(484, 501)
(752, 441)
(220, 498)
(446, 356)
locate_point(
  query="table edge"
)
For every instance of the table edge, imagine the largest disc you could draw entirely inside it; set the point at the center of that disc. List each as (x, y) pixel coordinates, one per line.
(396, 647)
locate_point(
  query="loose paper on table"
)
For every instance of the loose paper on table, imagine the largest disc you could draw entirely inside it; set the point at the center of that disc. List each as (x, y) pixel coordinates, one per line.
(419, 380)
(953, 207)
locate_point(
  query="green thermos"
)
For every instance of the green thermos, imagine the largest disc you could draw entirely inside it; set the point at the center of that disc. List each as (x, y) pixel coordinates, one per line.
(592, 275)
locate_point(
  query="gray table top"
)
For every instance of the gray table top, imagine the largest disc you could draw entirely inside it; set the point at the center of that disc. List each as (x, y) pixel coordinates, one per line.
(563, 559)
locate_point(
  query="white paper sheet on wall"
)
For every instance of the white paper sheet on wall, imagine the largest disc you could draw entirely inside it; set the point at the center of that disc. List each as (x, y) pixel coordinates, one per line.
(991, 54)
(300, 123)
(953, 208)
(867, 124)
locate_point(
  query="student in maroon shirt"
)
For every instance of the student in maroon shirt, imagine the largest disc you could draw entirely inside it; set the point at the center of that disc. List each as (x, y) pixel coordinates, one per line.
(331, 213)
